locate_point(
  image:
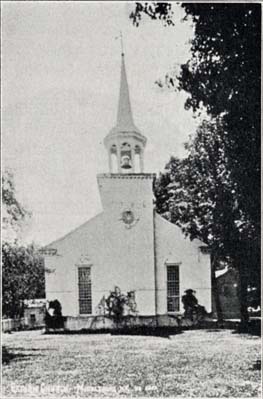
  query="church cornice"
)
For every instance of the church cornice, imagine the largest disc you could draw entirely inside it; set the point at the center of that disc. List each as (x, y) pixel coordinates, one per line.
(140, 176)
(123, 134)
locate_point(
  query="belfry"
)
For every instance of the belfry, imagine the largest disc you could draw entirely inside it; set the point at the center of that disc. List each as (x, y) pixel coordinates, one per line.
(125, 142)
(128, 245)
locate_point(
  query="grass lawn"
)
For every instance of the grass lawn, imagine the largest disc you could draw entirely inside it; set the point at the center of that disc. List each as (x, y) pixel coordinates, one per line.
(198, 363)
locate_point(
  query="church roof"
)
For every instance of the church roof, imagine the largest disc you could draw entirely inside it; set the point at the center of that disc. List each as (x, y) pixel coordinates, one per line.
(72, 232)
(125, 123)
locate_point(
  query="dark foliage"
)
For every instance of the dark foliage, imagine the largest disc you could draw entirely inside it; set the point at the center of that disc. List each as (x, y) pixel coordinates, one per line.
(14, 215)
(155, 10)
(22, 277)
(116, 303)
(224, 75)
(22, 266)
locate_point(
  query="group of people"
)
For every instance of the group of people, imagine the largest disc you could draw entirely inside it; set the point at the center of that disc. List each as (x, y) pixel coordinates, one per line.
(118, 305)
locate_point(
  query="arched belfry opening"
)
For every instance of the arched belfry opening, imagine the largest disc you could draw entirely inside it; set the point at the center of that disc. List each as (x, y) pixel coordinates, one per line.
(126, 157)
(138, 159)
(125, 143)
(113, 160)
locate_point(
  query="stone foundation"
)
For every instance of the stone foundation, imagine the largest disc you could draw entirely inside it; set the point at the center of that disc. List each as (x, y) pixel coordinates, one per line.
(96, 323)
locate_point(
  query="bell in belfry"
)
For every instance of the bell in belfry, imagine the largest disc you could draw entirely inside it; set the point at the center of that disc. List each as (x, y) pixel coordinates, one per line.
(126, 162)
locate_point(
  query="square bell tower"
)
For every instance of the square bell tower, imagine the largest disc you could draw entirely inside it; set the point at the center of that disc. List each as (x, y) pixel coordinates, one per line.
(127, 199)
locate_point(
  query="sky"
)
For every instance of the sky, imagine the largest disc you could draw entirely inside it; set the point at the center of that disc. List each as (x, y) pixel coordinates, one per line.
(60, 84)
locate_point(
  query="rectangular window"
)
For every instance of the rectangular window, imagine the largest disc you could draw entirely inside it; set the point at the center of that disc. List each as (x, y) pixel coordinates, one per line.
(84, 280)
(173, 294)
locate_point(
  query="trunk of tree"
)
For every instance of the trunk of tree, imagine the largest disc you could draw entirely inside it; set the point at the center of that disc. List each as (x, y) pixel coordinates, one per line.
(243, 284)
(215, 290)
(241, 259)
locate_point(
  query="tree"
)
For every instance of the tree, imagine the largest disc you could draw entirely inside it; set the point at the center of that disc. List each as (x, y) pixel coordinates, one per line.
(118, 303)
(154, 10)
(223, 75)
(198, 195)
(22, 278)
(22, 266)
(14, 214)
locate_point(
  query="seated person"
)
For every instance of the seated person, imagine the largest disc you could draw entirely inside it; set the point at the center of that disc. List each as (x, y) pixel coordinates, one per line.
(189, 300)
(191, 305)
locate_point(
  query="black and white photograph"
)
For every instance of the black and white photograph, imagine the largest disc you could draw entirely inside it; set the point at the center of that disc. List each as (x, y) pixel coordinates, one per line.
(131, 199)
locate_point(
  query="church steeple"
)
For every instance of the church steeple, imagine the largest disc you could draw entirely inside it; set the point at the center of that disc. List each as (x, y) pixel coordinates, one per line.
(124, 116)
(125, 141)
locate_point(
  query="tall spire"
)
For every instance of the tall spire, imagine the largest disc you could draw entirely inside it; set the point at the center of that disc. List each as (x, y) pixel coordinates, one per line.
(125, 141)
(124, 116)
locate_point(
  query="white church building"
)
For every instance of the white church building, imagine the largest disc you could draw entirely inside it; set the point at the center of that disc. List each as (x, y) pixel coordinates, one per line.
(128, 244)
